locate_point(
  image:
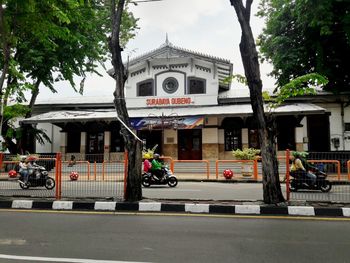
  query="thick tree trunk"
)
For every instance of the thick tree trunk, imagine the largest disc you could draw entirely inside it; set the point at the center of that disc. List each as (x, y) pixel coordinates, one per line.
(6, 62)
(271, 185)
(133, 146)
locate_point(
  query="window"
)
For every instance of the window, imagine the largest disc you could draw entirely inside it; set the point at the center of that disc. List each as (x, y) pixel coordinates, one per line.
(347, 126)
(117, 141)
(73, 142)
(145, 88)
(170, 85)
(254, 139)
(233, 139)
(196, 86)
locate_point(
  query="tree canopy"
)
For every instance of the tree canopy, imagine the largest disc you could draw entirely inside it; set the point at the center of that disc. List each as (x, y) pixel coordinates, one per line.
(303, 37)
(43, 42)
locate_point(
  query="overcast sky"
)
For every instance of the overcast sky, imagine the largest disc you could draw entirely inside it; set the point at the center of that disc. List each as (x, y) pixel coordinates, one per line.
(206, 26)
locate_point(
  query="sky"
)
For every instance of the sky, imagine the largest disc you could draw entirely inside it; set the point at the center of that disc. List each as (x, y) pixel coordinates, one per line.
(207, 26)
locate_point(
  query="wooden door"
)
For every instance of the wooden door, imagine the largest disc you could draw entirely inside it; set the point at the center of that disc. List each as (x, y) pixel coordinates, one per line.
(189, 144)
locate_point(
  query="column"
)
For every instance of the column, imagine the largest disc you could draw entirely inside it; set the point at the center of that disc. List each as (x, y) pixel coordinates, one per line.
(83, 143)
(107, 145)
(210, 143)
(245, 138)
(63, 143)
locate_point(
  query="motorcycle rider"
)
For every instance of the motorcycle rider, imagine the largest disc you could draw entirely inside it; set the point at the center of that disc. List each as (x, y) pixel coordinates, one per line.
(24, 166)
(297, 168)
(157, 167)
(146, 163)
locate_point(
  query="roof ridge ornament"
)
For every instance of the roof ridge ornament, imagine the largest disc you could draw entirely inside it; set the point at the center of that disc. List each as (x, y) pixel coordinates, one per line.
(167, 43)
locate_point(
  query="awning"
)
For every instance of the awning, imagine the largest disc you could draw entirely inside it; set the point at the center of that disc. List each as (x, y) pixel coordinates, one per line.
(236, 110)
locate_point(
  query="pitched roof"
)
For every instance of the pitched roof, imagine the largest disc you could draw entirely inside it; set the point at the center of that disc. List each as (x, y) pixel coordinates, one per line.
(169, 50)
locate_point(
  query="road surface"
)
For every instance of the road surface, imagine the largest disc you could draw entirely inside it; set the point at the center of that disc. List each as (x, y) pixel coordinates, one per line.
(170, 238)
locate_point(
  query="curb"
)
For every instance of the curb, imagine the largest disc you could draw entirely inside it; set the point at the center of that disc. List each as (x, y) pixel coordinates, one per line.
(194, 208)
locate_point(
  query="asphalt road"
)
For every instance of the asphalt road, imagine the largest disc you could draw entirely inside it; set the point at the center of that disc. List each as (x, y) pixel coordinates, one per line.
(156, 238)
(184, 190)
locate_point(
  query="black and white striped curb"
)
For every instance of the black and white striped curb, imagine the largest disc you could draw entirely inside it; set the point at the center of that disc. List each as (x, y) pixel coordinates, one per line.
(177, 208)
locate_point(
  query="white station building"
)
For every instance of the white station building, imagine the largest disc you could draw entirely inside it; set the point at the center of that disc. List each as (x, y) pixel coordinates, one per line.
(178, 99)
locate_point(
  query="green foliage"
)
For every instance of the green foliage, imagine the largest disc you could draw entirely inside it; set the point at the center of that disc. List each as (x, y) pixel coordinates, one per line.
(246, 153)
(300, 86)
(237, 77)
(300, 154)
(57, 40)
(15, 111)
(308, 36)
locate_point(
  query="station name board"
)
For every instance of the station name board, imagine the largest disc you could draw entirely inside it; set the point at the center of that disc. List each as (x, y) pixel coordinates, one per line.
(169, 101)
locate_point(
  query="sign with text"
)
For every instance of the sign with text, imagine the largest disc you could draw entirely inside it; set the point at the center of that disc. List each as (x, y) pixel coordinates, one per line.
(167, 123)
(169, 101)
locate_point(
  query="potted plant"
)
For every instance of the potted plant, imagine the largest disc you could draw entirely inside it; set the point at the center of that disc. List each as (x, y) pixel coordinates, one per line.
(246, 154)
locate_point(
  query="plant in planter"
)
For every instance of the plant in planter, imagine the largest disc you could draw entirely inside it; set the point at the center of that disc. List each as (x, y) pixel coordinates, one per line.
(246, 154)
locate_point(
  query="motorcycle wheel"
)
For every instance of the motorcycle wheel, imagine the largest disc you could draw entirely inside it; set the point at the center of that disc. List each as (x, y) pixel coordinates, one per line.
(326, 186)
(172, 181)
(146, 181)
(23, 185)
(49, 183)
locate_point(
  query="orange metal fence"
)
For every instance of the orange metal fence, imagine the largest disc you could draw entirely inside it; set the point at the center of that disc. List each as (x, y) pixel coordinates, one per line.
(206, 162)
(328, 161)
(254, 163)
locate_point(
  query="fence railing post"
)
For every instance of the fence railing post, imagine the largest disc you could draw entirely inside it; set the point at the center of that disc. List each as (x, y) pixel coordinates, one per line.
(255, 169)
(287, 174)
(125, 172)
(1, 158)
(58, 175)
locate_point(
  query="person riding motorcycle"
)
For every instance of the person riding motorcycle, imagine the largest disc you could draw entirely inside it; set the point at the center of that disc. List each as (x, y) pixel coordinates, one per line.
(297, 169)
(157, 167)
(24, 166)
(146, 163)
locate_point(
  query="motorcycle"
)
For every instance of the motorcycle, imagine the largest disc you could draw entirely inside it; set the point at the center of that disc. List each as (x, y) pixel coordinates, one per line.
(38, 176)
(168, 178)
(300, 181)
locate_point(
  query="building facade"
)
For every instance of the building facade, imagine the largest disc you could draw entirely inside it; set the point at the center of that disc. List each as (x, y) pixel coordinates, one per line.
(180, 100)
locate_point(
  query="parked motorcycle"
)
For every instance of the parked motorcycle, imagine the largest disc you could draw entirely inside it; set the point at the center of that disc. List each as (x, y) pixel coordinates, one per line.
(168, 178)
(38, 176)
(300, 181)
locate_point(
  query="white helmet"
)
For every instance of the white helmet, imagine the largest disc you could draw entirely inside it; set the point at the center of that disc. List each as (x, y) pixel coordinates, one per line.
(156, 155)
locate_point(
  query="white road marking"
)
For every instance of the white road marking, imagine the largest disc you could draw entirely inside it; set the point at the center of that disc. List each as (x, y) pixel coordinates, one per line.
(12, 241)
(70, 260)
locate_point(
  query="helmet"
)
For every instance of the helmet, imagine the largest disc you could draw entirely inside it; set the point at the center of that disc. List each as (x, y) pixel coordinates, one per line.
(146, 156)
(156, 155)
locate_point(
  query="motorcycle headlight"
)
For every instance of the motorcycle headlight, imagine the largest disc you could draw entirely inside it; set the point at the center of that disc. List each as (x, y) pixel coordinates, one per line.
(45, 173)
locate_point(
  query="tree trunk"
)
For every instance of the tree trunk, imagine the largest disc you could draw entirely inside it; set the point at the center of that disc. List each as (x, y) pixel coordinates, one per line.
(6, 62)
(133, 146)
(271, 184)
